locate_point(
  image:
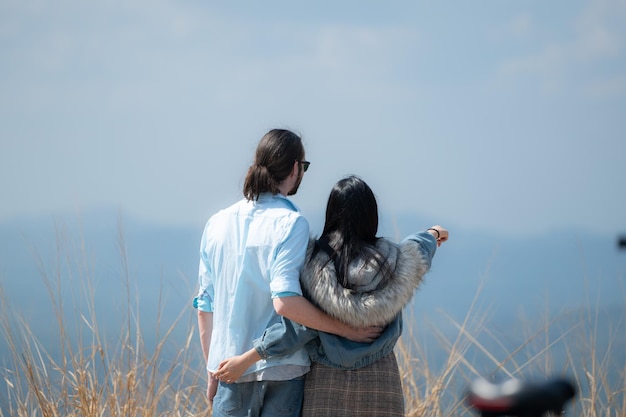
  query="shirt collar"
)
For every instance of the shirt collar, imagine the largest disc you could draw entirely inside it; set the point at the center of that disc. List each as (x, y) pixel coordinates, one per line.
(266, 197)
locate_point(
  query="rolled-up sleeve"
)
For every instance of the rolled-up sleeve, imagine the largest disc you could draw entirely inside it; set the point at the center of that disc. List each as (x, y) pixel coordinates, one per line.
(204, 299)
(289, 259)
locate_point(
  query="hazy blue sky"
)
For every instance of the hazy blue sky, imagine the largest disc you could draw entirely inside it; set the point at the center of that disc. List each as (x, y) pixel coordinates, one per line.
(502, 115)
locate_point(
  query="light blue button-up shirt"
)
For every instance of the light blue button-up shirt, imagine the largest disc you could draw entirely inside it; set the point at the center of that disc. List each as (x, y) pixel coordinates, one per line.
(250, 253)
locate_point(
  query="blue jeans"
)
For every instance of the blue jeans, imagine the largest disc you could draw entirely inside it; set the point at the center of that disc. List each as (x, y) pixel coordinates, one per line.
(259, 399)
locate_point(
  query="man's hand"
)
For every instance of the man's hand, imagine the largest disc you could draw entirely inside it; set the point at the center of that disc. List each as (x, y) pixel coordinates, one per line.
(363, 334)
(211, 389)
(231, 369)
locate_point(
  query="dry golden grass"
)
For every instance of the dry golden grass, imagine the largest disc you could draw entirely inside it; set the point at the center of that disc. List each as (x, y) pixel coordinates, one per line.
(88, 373)
(596, 365)
(91, 375)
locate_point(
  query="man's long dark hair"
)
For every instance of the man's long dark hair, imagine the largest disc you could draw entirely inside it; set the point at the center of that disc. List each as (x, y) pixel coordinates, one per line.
(275, 155)
(351, 226)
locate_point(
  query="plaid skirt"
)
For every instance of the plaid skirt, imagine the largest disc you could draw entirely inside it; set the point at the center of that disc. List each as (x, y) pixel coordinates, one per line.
(375, 390)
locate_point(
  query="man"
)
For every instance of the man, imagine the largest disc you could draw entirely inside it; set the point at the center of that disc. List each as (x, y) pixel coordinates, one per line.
(250, 259)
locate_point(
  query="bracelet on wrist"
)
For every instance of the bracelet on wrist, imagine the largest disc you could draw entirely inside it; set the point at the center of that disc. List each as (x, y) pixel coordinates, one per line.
(435, 230)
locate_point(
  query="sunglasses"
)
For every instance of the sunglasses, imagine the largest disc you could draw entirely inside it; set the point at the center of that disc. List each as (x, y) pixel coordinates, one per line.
(305, 165)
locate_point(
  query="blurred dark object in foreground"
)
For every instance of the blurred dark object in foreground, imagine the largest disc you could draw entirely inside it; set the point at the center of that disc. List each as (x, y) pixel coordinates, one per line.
(521, 399)
(621, 242)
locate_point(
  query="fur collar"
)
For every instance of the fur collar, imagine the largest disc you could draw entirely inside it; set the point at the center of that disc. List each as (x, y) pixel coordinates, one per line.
(371, 302)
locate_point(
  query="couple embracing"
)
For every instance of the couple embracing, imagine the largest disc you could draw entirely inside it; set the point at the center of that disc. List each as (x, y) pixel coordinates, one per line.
(291, 325)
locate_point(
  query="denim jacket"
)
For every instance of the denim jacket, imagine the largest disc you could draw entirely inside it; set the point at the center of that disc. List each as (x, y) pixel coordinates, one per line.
(326, 348)
(370, 300)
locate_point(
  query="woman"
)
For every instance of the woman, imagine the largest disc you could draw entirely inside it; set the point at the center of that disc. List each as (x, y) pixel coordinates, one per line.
(362, 280)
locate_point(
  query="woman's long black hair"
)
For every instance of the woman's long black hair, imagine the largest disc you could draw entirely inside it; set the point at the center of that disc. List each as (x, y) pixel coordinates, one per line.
(351, 226)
